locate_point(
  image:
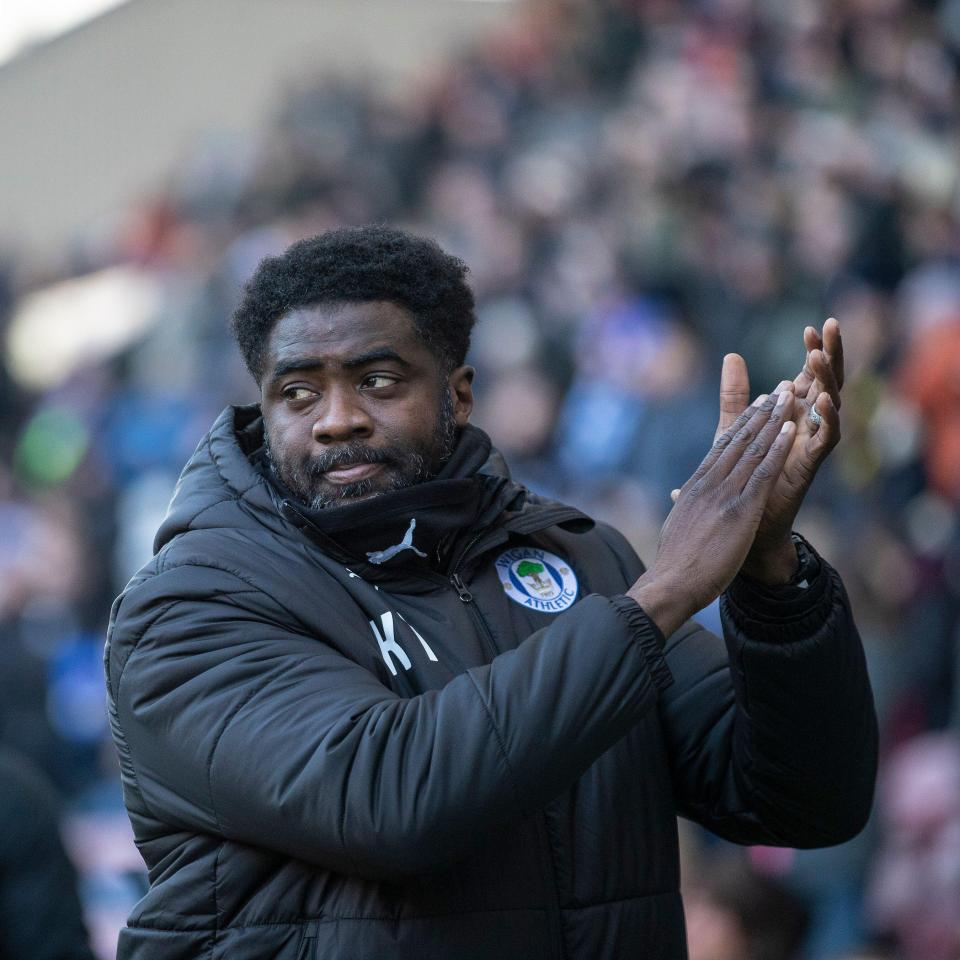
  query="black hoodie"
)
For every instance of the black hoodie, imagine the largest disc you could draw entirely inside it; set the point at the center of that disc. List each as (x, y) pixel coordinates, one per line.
(344, 733)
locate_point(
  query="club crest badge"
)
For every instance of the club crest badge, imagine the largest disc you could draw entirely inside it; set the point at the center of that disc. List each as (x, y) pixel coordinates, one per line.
(537, 579)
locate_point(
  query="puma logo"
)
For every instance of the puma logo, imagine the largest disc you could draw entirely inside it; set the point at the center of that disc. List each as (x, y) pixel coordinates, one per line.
(382, 556)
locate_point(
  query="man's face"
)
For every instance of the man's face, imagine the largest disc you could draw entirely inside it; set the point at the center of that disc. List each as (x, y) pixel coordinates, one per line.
(354, 404)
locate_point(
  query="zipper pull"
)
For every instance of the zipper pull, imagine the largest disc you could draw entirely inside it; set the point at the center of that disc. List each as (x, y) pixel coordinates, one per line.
(462, 592)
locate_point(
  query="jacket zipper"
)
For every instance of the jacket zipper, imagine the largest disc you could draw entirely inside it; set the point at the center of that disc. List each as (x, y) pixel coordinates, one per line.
(483, 628)
(462, 592)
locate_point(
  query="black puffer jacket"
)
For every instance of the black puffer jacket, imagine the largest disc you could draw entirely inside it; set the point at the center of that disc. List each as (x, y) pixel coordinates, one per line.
(444, 755)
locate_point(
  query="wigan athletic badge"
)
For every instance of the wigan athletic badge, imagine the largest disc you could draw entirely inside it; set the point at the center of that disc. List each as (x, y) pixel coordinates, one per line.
(539, 580)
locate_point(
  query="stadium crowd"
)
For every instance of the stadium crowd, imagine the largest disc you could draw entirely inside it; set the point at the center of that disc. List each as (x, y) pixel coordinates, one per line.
(638, 187)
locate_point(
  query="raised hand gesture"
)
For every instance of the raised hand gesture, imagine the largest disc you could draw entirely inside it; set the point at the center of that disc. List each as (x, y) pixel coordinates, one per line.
(772, 558)
(711, 529)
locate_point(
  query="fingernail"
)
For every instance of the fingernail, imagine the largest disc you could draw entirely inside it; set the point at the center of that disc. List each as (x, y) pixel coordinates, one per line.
(782, 385)
(782, 398)
(759, 400)
(787, 427)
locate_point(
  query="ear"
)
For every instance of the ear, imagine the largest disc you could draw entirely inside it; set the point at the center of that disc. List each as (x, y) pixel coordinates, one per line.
(461, 392)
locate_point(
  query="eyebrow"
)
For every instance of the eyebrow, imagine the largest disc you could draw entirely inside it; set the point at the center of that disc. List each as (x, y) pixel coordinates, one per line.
(304, 364)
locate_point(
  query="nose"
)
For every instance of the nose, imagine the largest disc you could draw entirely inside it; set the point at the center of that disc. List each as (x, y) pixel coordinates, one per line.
(342, 417)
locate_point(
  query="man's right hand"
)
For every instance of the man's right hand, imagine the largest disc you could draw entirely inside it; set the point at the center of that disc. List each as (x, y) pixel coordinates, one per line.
(707, 535)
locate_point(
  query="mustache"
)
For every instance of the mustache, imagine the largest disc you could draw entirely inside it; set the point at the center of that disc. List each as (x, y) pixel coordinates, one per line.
(349, 454)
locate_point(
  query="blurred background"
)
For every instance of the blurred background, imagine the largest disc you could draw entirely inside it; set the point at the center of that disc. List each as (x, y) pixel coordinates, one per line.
(638, 186)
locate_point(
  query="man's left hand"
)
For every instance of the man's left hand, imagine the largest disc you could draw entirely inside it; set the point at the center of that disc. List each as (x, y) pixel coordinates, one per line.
(773, 557)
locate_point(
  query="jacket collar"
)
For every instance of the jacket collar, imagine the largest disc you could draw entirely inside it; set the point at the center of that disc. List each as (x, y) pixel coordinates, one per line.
(419, 530)
(433, 528)
(470, 507)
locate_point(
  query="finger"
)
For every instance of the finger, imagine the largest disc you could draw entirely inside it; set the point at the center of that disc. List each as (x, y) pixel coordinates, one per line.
(825, 376)
(804, 379)
(759, 447)
(734, 391)
(726, 438)
(741, 430)
(833, 347)
(819, 443)
(744, 438)
(767, 472)
(828, 434)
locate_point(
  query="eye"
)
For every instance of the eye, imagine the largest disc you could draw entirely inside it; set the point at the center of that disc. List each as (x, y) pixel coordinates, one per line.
(298, 394)
(377, 381)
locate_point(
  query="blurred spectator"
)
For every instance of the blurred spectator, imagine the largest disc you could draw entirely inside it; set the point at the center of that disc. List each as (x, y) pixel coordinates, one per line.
(734, 914)
(40, 916)
(915, 890)
(930, 378)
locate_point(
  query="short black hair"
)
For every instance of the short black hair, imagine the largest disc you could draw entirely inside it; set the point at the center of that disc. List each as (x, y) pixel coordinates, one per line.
(361, 264)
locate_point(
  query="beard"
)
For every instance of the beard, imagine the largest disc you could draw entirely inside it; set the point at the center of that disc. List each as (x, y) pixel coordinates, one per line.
(407, 462)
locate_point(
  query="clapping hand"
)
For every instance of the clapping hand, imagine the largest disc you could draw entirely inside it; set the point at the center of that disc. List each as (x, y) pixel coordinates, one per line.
(772, 557)
(711, 529)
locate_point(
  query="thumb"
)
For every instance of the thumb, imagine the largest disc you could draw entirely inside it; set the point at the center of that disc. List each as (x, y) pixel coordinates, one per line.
(734, 390)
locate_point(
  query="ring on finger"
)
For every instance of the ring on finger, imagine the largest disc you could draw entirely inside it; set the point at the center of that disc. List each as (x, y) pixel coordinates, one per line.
(814, 417)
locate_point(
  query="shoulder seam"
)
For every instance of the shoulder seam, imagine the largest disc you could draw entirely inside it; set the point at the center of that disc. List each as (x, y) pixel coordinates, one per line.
(139, 636)
(254, 587)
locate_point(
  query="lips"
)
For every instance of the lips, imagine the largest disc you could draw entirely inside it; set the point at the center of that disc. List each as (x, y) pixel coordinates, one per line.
(352, 472)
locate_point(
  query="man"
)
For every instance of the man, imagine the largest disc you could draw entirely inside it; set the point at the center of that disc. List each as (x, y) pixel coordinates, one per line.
(373, 699)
